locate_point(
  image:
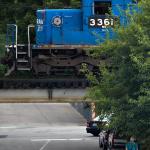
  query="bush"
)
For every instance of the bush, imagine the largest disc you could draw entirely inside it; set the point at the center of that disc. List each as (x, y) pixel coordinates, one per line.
(2, 45)
(3, 69)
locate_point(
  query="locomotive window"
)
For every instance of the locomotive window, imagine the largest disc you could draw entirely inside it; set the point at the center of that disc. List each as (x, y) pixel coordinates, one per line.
(102, 8)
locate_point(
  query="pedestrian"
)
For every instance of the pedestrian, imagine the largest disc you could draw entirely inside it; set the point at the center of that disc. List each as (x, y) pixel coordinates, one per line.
(132, 145)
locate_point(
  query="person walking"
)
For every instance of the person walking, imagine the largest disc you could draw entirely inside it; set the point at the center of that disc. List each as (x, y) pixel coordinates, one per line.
(132, 145)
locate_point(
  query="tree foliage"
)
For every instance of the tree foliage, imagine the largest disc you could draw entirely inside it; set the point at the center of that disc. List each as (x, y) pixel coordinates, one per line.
(3, 69)
(124, 85)
(2, 43)
(23, 12)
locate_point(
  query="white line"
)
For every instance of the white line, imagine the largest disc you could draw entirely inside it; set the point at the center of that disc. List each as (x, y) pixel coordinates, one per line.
(42, 148)
(75, 139)
(40, 140)
(10, 127)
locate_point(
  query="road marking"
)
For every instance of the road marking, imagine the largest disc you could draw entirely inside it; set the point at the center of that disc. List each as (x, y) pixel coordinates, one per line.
(9, 127)
(75, 139)
(49, 140)
(42, 148)
(40, 140)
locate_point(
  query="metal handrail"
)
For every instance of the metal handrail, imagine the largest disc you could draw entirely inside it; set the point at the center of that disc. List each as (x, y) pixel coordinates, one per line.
(29, 42)
(16, 39)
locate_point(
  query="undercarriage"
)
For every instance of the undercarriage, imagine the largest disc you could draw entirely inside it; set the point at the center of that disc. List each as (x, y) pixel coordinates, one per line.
(50, 62)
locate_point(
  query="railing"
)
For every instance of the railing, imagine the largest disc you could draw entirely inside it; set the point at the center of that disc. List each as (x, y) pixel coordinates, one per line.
(12, 36)
(29, 40)
(29, 44)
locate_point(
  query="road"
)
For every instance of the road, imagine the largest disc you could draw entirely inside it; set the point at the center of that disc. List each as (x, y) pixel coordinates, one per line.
(43, 127)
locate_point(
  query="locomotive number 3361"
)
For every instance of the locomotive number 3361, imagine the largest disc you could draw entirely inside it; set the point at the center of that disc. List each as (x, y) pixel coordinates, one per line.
(101, 22)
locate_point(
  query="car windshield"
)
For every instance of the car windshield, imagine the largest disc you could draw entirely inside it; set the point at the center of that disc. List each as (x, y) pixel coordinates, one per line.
(102, 118)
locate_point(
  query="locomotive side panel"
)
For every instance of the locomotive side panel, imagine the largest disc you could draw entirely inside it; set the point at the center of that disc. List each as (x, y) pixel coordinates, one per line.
(71, 26)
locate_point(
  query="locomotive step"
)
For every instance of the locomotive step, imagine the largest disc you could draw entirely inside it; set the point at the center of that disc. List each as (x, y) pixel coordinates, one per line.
(22, 53)
(23, 69)
(22, 61)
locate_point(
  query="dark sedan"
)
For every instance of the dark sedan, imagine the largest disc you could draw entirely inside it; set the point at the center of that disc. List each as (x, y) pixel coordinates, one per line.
(94, 126)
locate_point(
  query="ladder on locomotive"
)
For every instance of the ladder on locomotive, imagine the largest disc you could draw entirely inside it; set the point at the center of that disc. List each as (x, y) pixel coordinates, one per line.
(22, 52)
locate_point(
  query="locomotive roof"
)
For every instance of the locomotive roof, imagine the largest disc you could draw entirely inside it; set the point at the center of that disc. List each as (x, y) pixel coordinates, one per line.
(60, 10)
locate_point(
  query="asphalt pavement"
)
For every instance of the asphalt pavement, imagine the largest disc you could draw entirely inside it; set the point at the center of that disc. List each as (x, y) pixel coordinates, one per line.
(43, 127)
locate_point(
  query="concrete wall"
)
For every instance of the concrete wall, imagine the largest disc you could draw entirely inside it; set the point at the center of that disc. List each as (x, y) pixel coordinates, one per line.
(84, 108)
(75, 96)
(49, 95)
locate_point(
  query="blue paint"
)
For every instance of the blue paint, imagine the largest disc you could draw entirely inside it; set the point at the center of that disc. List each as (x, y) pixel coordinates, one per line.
(74, 28)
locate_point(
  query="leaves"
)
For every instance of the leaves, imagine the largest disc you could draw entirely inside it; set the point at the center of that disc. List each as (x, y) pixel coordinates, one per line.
(23, 12)
(2, 44)
(2, 70)
(124, 86)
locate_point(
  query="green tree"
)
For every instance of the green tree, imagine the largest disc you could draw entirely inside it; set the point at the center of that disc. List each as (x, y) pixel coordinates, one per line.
(22, 12)
(2, 44)
(3, 68)
(62, 4)
(124, 85)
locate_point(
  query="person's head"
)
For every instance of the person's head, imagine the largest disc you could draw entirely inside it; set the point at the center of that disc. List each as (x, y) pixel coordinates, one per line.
(132, 138)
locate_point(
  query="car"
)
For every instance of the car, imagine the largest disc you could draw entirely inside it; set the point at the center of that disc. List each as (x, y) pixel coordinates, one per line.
(111, 139)
(95, 126)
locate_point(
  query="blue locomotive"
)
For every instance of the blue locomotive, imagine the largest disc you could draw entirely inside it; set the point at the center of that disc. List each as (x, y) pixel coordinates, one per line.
(63, 35)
